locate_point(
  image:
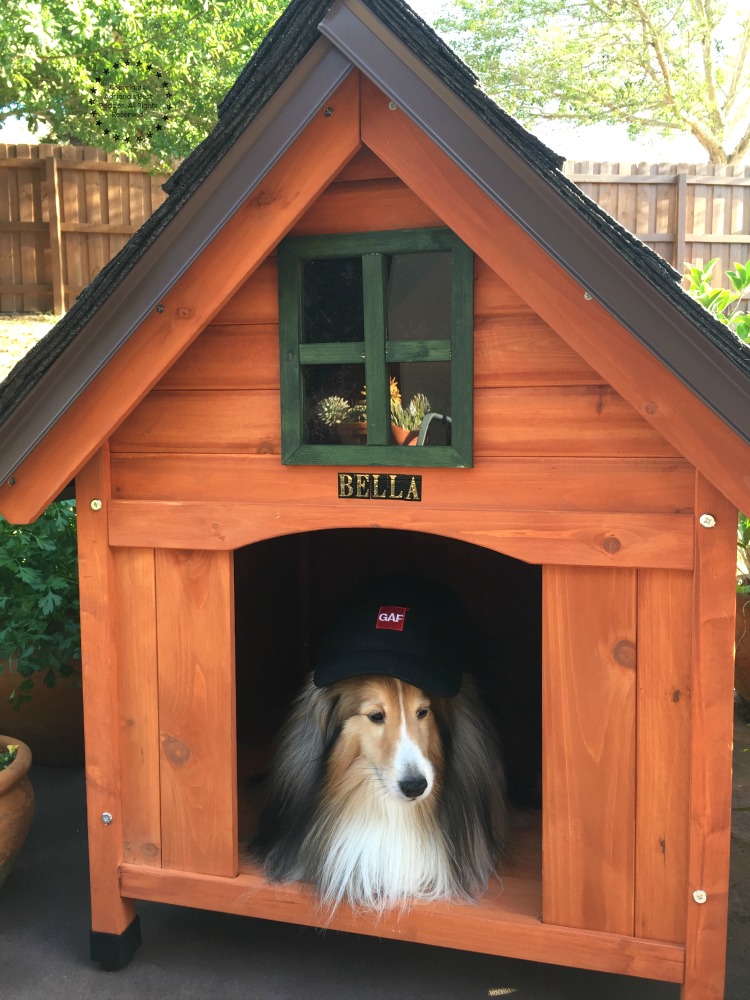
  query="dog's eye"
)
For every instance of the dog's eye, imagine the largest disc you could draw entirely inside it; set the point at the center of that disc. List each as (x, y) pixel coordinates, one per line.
(422, 713)
(376, 717)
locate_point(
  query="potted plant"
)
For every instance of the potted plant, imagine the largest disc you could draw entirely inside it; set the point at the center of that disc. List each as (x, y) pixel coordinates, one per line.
(40, 650)
(16, 801)
(406, 420)
(350, 419)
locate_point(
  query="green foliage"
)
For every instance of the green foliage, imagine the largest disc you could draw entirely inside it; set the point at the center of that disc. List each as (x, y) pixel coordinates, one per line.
(722, 303)
(743, 554)
(653, 65)
(39, 623)
(141, 77)
(8, 755)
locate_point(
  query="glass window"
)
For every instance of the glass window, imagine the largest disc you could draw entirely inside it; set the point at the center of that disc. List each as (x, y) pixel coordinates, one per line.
(376, 335)
(332, 301)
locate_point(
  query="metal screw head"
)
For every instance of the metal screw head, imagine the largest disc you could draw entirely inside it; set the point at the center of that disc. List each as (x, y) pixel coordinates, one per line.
(96, 505)
(707, 520)
(160, 309)
(392, 106)
(588, 296)
(328, 112)
(106, 818)
(700, 896)
(12, 481)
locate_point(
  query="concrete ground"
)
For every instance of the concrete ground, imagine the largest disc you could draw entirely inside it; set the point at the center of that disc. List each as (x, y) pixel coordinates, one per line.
(44, 924)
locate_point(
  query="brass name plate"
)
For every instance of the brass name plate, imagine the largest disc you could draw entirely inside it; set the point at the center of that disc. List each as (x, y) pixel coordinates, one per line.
(379, 486)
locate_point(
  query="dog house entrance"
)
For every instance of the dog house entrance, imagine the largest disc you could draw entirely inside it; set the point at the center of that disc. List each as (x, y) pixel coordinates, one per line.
(289, 589)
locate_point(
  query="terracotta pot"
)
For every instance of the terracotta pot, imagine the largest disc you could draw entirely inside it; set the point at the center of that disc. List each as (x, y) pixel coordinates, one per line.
(352, 432)
(742, 648)
(52, 722)
(403, 436)
(16, 806)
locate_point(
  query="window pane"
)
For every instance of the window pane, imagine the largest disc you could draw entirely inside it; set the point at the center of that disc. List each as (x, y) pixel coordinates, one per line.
(423, 387)
(332, 301)
(419, 296)
(333, 404)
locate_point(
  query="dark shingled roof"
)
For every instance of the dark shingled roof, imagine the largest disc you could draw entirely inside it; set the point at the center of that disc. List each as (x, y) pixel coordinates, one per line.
(284, 47)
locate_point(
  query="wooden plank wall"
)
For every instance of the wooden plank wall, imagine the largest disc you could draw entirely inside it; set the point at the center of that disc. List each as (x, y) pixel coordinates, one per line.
(588, 719)
(65, 211)
(617, 665)
(195, 649)
(214, 417)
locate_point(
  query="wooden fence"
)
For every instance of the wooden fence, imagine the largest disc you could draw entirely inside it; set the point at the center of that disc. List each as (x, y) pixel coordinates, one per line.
(66, 210)
(687, 213)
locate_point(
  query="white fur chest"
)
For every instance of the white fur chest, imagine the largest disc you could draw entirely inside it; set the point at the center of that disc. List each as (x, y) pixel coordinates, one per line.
(380, 852)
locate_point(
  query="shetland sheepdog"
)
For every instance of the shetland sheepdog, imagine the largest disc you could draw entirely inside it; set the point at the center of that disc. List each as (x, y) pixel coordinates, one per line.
(380, 794)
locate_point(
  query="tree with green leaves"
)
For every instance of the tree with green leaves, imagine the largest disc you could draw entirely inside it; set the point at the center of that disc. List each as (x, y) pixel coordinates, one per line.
(667, 66)
(141, 77)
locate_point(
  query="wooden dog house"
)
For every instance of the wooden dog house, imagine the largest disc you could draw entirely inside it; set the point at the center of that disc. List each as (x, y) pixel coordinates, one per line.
(600, 440)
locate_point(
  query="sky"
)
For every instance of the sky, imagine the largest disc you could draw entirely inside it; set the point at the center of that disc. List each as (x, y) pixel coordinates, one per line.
(596, 142)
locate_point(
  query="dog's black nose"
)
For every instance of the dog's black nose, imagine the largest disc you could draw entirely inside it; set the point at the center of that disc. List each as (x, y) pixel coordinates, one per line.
(413, 787)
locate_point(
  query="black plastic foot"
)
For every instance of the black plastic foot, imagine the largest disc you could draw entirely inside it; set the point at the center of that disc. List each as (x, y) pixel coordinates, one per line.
(115, 951)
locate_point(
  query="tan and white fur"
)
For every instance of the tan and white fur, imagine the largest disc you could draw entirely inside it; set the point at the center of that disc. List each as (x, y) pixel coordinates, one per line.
(380, 794)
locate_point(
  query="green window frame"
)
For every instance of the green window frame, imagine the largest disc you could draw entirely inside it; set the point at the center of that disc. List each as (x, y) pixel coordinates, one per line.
(375, 350)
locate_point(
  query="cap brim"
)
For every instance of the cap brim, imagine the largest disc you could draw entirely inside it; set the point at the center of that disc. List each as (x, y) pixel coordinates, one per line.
(367, 662)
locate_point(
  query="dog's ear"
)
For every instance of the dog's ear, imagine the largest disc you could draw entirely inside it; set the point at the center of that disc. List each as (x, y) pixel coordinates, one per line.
(296, 781)
(473, 811)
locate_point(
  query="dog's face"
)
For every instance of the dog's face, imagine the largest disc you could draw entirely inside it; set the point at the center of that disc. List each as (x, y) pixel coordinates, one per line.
(388, 732)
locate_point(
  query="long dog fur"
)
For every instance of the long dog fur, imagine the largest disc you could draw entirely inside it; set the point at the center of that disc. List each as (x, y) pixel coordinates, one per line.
(330, 821)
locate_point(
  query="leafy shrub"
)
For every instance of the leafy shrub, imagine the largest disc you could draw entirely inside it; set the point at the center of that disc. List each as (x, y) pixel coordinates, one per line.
(722, 303)
(39, 623)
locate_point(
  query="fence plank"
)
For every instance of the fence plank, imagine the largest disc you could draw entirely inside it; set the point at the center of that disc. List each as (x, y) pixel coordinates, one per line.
(680, 249)
(55, 237)
(97, 245)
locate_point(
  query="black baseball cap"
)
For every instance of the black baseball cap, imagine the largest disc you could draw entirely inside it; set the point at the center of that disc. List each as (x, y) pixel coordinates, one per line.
(401, 626)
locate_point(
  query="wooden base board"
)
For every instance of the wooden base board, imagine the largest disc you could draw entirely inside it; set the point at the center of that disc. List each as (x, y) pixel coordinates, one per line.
(504, 922)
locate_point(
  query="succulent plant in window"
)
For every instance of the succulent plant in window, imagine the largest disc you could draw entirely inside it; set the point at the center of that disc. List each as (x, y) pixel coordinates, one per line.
(333, 410)
(410, 417)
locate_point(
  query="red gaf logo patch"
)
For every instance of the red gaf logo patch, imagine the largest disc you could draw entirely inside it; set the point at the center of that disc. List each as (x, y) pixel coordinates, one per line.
(392, 618)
